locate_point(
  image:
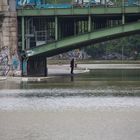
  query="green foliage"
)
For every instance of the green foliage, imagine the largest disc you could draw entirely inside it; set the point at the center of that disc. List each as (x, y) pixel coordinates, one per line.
(129, 45)
(96, 51)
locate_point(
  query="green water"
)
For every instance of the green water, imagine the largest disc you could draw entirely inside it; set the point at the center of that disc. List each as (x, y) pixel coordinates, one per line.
(100, 80)
(91, 80)
(99, 105)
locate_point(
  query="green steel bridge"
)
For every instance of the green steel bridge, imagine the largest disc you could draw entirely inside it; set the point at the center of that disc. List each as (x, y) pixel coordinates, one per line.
(46, 32)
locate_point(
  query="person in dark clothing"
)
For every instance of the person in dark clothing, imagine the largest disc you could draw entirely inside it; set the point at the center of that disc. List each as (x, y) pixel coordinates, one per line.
(72, 65)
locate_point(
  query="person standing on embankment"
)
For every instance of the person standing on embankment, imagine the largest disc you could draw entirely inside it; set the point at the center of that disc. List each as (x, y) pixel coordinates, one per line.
(72, 65)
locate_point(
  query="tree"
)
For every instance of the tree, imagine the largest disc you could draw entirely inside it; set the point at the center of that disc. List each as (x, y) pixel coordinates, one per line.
(129, 44)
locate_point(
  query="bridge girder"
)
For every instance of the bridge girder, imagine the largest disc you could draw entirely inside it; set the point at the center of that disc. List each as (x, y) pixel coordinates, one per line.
(84, 40)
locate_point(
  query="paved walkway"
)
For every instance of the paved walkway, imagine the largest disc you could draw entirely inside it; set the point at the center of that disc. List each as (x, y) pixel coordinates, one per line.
(109, 66)
(64, 70)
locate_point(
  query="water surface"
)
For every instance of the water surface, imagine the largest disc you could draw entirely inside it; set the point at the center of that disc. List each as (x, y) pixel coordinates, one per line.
(99, 105)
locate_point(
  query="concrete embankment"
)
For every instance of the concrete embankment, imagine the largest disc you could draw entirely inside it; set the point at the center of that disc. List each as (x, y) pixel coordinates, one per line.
(81, 68)
(64, 70)
(109, 66)
(53, 70)
(56, 70)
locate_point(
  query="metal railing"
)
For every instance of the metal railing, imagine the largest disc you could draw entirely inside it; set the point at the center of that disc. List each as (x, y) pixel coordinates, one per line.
(43, 37)
(46, 4)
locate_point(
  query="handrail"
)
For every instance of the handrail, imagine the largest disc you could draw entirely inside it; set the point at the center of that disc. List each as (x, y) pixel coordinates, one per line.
(72, 4)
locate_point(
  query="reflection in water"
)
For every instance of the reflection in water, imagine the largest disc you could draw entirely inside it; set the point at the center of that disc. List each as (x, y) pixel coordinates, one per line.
(95, 79)
(100, 105)
(72, 78)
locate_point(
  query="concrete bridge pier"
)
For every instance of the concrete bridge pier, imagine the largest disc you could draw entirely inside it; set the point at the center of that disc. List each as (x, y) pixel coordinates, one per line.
(34, 66)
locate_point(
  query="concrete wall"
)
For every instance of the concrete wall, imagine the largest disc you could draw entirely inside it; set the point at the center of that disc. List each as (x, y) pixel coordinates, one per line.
(12, 5)
(8, 30)
(4, 5)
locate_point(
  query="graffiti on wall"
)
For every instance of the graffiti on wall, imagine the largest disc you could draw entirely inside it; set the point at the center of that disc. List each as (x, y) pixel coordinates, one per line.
(15, 61)
(15, 64)
(4, 66)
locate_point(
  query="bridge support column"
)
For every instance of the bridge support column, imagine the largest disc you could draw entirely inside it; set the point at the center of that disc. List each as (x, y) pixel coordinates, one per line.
(106, 3)
(56, 28)
(123, 18)
(59, 30)
(89, 23)
(23, 33)
(35, 66)
(123, 11)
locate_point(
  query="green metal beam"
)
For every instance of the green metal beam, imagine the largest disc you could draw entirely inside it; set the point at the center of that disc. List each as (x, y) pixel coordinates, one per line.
(23, 34)
(78, 41)
(78, 11)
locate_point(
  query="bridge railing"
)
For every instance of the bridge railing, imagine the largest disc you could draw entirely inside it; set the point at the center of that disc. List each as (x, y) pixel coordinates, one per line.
(45, 4)
(71, 37)
(43, 37)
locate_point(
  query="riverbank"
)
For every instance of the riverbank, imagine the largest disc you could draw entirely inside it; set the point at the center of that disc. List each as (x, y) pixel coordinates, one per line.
(81, 68)
(64, 69)
(53, 70)
(109, 66)
(88, 61)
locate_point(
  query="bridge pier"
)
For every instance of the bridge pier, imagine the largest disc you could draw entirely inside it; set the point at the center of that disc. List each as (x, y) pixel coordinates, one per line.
(35, 66)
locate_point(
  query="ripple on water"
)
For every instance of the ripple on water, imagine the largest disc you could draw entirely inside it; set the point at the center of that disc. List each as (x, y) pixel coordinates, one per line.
(59, 99)
(58, 92)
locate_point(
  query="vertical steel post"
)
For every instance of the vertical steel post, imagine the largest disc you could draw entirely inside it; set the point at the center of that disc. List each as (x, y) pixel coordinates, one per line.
(56, 28)
(24, 66)
(75, 27)
(23, 34)
(24, 61)
(46, 68)
(123, 18)
(106, 3)
(72, 1)
(59, 30)
(89, 23)
(123, 11)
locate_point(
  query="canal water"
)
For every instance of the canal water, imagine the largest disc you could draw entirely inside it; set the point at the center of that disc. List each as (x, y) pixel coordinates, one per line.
(99, 105)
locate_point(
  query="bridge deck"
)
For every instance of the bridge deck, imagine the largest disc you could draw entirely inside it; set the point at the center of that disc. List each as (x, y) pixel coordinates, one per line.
(79, 11)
